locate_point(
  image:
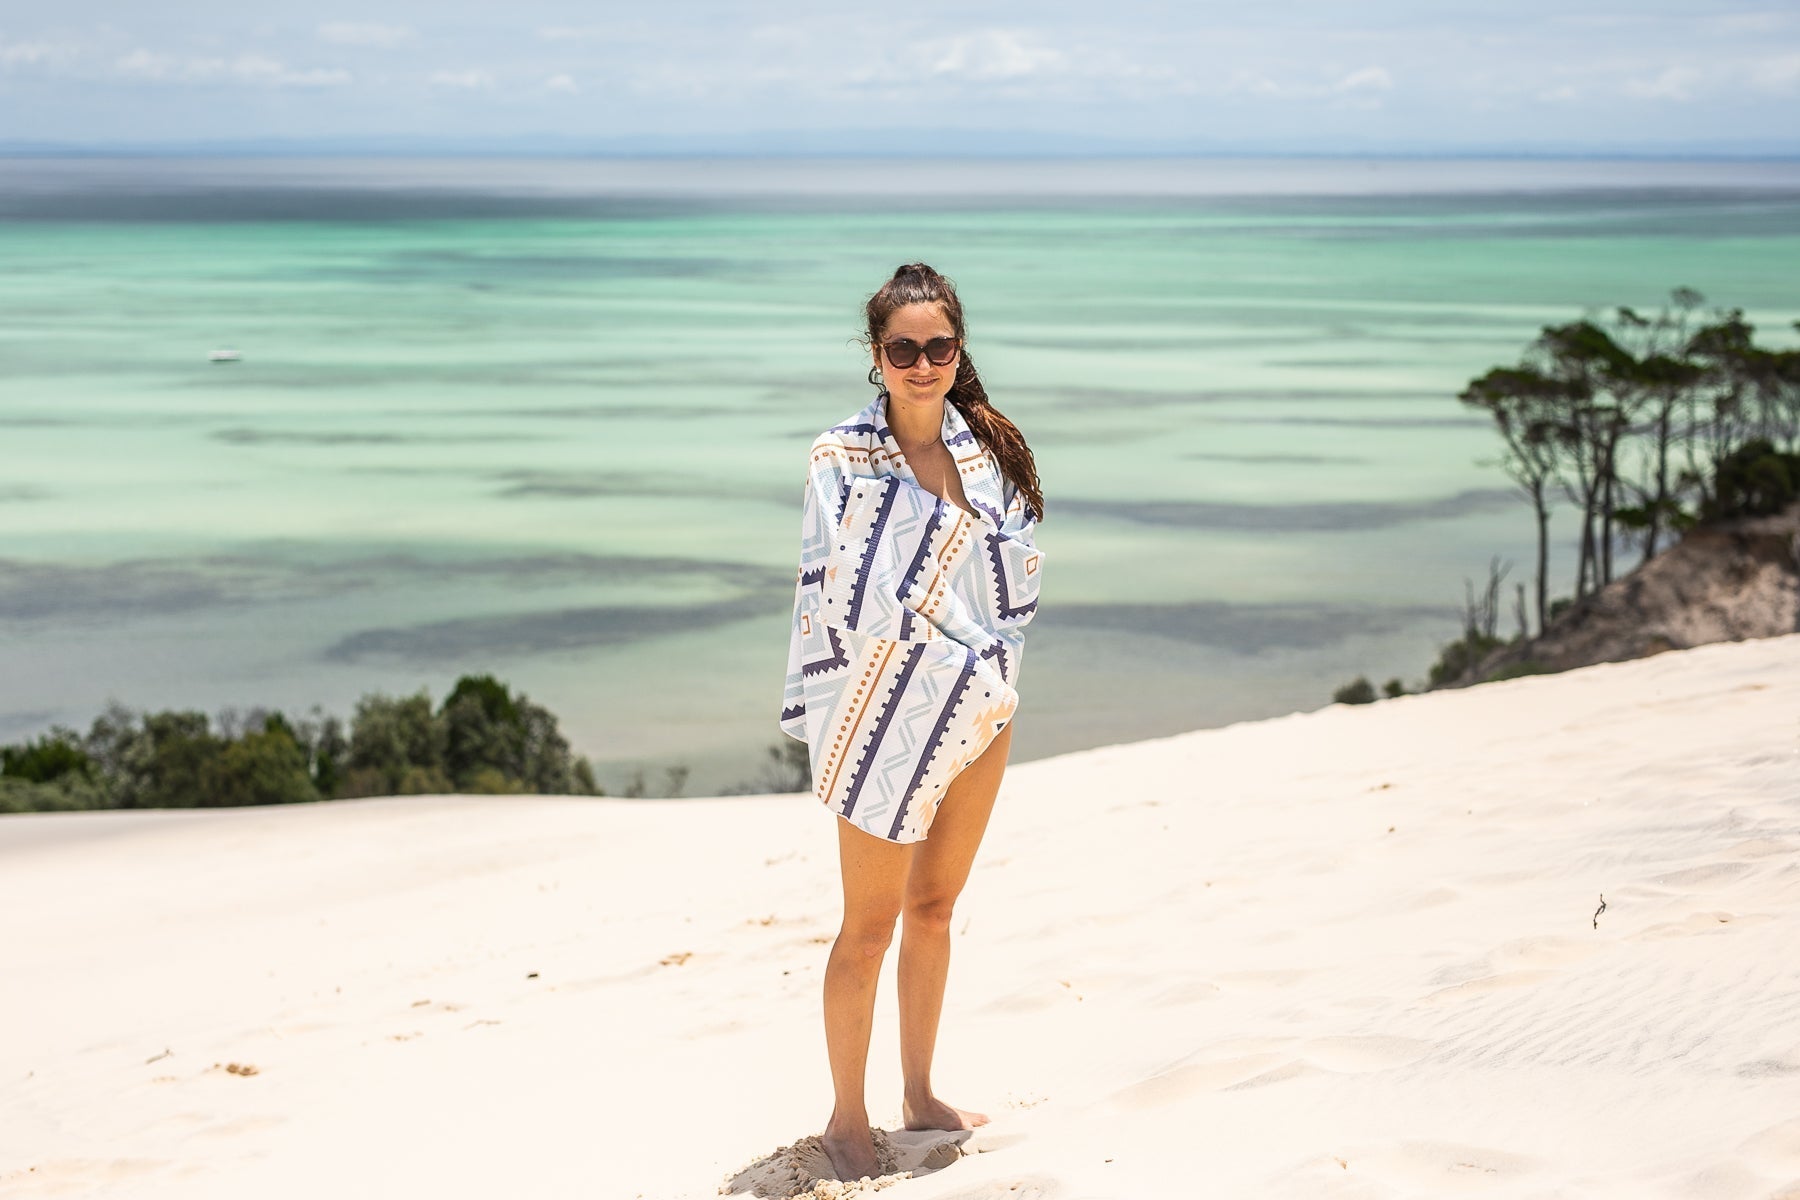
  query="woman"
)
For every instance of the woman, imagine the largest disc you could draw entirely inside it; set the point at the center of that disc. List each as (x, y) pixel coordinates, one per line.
(918, 571)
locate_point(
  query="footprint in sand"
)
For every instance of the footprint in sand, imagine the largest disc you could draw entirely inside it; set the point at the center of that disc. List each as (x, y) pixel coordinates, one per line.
(803, 1171)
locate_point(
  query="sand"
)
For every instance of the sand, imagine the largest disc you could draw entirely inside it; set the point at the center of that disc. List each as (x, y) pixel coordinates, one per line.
(1347, 953)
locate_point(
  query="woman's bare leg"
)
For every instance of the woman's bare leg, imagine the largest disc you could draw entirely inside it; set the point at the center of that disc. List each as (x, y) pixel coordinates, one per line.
(940, 867)
(874, 878)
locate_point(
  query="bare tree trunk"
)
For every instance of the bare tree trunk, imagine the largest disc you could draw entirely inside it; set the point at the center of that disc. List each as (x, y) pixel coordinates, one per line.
(1662, 479)
(1606, 524)
(1585, 571)
(1543, 556)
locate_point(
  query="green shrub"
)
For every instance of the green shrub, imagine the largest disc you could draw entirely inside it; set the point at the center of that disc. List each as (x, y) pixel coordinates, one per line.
(259, 768)
(68, 792)
(424, 781)
(52, 756)
(1753, 481)
(1357, 691)
(483, 732)
(1458, 656)
(487, 781)
(388, 738)
(1529, 666)
(483, 739)
(182, 753)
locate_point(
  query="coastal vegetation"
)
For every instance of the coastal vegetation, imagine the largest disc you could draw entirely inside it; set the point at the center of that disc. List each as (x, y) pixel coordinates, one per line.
(481, 738)
(1648, 426)
(787, 767)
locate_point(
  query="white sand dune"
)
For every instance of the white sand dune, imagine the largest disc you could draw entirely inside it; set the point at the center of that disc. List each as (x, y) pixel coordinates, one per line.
(1349, 953)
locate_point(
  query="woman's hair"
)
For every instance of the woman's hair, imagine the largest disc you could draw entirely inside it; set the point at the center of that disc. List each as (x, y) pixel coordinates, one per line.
(916, 283)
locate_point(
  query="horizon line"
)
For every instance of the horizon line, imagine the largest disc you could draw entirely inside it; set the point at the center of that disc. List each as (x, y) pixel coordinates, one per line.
(319, 148)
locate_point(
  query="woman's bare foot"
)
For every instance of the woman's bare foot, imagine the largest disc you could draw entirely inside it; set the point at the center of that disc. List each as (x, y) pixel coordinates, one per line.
(932, 1113)
(851, 1149)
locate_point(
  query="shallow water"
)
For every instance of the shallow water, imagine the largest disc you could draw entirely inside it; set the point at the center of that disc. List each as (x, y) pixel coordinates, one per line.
(549, 419)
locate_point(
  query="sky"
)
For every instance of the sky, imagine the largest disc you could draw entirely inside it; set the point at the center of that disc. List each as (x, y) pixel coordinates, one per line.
(909, 80)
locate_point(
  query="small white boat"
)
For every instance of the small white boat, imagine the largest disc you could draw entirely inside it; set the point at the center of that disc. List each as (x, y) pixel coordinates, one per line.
(224, 356)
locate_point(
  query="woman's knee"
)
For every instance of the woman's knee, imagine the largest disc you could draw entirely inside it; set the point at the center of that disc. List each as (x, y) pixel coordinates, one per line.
(930, 913)
(867, 936)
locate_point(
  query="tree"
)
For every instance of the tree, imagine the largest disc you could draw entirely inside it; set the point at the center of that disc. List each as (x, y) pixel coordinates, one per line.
(1754, 480)
(117, 745)
(496, 741)
(396, 748)
(1718, 419)
(1663, 376)
(484, 735)
(545, 765)
(52, 756)
(1596, 373)
(258, 768)
(182, 751)
(327, 749)
(1526, 406)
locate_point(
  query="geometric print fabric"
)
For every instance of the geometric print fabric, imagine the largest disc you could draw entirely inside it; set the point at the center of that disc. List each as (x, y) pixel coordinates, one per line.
(904, 652)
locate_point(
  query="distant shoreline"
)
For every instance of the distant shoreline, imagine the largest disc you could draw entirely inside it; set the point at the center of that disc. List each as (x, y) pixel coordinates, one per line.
(397, 182)
(409, 149)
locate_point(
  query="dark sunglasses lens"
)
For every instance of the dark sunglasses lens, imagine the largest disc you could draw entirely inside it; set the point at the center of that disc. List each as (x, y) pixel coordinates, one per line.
(940, 351)
(903, 353)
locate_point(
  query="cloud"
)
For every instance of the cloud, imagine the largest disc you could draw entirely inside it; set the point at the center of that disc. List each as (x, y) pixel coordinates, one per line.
(1255, 84)
(571, 33)
(14, 54)
(994, 54)
(561, 83)
(357, 33)
(1362, 87)
(243, 68)
(1752, 22)
(1675, 83)
(471, 79)
(1780, 75)
(1368, 79)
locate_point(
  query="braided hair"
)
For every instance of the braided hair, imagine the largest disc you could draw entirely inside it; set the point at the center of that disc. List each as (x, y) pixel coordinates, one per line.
(916, 283)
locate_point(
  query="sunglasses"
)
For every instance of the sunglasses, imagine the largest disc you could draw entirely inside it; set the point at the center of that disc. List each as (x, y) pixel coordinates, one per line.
(904, 352)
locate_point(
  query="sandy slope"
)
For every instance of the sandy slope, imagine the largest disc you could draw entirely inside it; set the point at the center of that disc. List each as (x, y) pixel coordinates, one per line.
(1346, 953)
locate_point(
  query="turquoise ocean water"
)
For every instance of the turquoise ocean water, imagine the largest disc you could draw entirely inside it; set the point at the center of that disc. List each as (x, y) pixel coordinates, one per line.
(549, 419)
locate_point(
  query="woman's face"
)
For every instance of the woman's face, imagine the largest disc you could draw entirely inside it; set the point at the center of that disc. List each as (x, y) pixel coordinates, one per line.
(924, 383)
